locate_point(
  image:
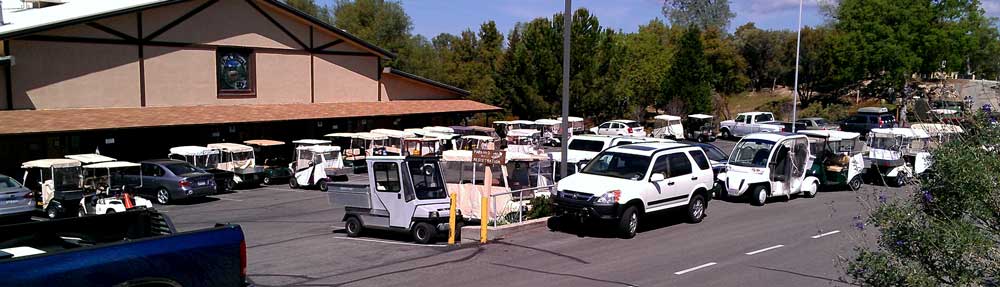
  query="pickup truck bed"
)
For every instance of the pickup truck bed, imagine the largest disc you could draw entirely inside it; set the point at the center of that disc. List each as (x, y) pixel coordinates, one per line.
(351, 193)
(138, 246)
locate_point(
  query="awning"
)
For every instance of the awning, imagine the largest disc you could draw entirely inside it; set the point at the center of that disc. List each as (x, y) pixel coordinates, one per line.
(42, 121)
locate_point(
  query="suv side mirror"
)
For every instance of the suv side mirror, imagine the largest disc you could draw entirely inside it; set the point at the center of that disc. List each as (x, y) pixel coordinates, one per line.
(657, 177)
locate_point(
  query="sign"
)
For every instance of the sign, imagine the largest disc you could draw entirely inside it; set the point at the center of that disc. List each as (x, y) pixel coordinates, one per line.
(487, 156)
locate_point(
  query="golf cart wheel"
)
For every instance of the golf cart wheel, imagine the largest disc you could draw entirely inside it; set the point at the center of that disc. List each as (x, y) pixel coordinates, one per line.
(292, 183)
(81, 213)
(900, 180)
(813, 189)
(855, 183)
(52, 212)
(229, 185)
(353, 226)
(726, 134)
(554, 223)
(267, 180)
(163, 196)
(628, 224)
(758, 196)
(323, 185)
(696, 208)
(423, 233)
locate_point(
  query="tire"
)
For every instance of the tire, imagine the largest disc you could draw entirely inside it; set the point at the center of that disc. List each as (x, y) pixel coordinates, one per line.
(696, 208)
(267, 180)
(726, 134)
(323, 186)
(229, 185)
(458, 231)
(109, 211)
(702, 139)
(52, 212)
(811, 194)
(758, 196)
(628, 224)
(353, 227)
(855, 183)
(900, 180)
(163, 196)
(292, 183)
(423, 233)
(553, 223)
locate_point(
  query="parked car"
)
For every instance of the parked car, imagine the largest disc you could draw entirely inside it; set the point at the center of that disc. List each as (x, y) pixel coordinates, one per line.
(718, 159)
(624, 183)
(748, 123)
(619, 128)
(818, 124)
(766, 165)
(133, 248)
(167, 180)
(867, 119)
(16, 201)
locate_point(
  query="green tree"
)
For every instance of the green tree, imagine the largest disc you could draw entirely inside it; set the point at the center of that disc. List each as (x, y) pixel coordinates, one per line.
(384, 23)
(688, 79)
(726, 65)
(642, 66)
(764, 52)
(310, 7)
(703, 14)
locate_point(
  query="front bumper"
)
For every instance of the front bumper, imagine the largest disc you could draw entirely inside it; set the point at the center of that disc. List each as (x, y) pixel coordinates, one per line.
(585, 209)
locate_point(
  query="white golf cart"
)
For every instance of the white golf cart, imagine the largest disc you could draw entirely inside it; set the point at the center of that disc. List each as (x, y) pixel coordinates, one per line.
(57, 185)
(405, 194)
(316, 165)
(206, 159)
(241, 161)
(474, 142)
(524, 141)
(576, 125)
(551, 131)
(90, 158)
(394, 143)
(668, 127)
(421, 146)
(770, 164)
(897, 154)
(838, 157)
(513, 184)
(939, 133)
(111, 187)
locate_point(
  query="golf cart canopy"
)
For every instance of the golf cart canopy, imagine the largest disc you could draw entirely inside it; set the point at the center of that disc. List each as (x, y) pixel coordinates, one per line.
(478, 138)
(310, 142)
(667, 118)
(938, 129)
(193, 151)
(319, 148)
(340, 135)
(440, 129)
(393, 133)
(264, 142)
(111, 164)
(89, 158)
(369, 136)
(831, 135)
(944, 111)
(873, 110)
(523, 133)
(230, 147)
(700, 116)
(547, 122)
(439, 136)
(502, 122)
(522, 122)
(460, 129)
(482, 129)
(51, 163)
(901, 132)
(571, 119)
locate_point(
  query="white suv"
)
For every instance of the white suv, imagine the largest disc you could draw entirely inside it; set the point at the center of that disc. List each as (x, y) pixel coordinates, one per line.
(620, 128)
(623, 183)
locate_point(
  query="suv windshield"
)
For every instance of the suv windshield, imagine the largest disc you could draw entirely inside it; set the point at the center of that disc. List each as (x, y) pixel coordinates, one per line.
(620, 165)
(426, 178)
(586, 145)
(181, 168)
(751, 153)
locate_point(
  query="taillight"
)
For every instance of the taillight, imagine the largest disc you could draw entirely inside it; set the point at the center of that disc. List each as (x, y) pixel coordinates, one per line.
(629, 130)
(29, 195)
(184, 183)
(880, 122)
(243, 258)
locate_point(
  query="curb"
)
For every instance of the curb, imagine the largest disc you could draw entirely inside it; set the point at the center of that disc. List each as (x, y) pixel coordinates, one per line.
(471, 232)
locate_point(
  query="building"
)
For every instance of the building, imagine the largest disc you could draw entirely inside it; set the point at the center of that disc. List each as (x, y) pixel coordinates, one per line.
(133, 77)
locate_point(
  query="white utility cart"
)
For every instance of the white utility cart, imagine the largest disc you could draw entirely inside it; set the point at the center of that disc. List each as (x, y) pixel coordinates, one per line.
(316, 164)
(770, 164)
(897, 154)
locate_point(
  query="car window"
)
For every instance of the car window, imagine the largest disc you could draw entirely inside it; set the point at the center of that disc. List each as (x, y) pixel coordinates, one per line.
(178, 169)
(632, 124)
(619, 165)
(605, 125)
(805, 122)
(149, 169)
(386, 176)
(763, 118)
(660, 166)
(586, 145)
(7, 182)
(821, 122)
(679, 164)
(700, 159)
(740, 118)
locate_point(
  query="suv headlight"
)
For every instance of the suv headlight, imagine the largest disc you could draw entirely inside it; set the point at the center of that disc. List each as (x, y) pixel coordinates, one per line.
(609, 198)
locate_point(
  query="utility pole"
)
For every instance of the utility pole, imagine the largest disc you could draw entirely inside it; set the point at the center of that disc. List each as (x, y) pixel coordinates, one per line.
(567, 22)
(795, 92)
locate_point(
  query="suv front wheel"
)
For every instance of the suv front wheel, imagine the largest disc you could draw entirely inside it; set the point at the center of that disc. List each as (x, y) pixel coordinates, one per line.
(629, 222)
(696, 208)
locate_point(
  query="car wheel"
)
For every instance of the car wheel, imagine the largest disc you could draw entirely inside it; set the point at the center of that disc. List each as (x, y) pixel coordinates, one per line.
(811, 192)
(628, 223)
(292, 183)
(353, 226)
(554, 223)
(900, 180)
(163, 196)
(267, 180)
(109, 211)
(855, 183)
(52, 212)
(229, 185)
(726, 134)
(696, 208)
(758, 196)
(423, 233)
(323, 186)
(702, 139)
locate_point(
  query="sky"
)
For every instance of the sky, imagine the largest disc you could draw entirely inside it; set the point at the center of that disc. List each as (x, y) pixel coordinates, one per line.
(432, 17)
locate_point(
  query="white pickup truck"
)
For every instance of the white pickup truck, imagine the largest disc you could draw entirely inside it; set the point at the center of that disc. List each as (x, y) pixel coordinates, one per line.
(748, 123)
(623, 183)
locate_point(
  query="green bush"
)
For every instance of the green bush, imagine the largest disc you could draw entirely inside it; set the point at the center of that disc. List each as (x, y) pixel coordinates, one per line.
(540, 207)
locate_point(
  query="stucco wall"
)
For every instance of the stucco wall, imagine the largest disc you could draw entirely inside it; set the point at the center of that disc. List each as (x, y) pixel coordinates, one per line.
(232, 23)
(50, 75)
(395, 88)
(282, 78)
(346, 78)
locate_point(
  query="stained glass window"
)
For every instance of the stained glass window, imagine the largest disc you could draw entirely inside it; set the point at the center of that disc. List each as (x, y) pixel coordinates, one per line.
(234, 69)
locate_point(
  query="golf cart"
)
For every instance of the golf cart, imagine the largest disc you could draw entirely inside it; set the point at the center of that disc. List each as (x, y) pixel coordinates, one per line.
(268, 154)
(90, 158)
(474, 142)
(405, 194)
(766, 165)
(839, 158)
(668, 127)
(56, 183)
(700, 127)
(205, 159)
(421, 146)
(394, 143)
(525, 141)
(483, 131)
(440, 129)
(576, 125)
(111, 187)
(939, 133)
(551, 131)
(241, 161)
(896, 154)
(316, 165)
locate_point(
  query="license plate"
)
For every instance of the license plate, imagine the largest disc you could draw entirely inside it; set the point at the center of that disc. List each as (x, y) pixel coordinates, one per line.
(9, 202)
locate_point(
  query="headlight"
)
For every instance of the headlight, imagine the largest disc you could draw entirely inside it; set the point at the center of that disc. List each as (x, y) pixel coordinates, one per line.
(608, 198)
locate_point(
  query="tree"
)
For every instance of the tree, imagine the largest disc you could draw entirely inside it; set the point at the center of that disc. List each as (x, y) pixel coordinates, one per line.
(642, 66)
(764, 53)
(384, 23)
(688, 79)
(311, 8)
(703, 14)
(726, 65)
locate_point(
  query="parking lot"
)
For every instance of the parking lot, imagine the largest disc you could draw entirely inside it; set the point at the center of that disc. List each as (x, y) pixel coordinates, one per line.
(295, 238)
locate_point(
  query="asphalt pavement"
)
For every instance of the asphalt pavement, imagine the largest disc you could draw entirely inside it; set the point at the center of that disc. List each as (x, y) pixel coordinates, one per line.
(295, 238)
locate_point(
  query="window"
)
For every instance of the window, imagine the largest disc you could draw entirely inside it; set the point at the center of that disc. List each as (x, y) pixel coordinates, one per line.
(386, 176)
(763, 118)
(426, 177)
(700, 159)
(605, 125)
(180, 169)
(151, 170)
(619, 165)
(6, 182)
(679, 164)
(234, 72)
(740, 118)
(586, 145)
(632, 124)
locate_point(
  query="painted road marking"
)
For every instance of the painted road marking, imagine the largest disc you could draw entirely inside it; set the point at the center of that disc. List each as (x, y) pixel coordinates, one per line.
(765, 249)
(392, 242)
(230, 199)
(694, 268)
(825, 234)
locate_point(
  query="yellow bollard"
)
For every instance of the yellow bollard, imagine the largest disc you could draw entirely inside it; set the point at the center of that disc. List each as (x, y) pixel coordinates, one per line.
(484, 219)
(451, 221)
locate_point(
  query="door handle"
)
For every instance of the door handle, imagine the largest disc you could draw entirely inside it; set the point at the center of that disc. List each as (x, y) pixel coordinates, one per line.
(399, 196)
(694, 178)
(670, 183)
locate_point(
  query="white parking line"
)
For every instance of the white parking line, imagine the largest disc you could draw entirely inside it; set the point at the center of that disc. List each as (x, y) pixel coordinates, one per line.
(825, 234)
(392, 242)
(694, 268)
(765, 249)
(230, 199)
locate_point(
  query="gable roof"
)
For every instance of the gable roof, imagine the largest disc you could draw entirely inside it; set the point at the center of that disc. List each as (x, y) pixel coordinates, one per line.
(390, 70)
(26, 22)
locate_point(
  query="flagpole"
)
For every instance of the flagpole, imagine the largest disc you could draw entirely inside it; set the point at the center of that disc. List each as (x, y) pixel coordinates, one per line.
(795, 92)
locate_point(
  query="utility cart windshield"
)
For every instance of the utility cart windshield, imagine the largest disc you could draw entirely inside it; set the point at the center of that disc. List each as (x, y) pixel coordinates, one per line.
(65, 178)
(751, 153)
(426, 177)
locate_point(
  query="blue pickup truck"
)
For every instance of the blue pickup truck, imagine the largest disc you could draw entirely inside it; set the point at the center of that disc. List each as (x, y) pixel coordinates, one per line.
(132, 248)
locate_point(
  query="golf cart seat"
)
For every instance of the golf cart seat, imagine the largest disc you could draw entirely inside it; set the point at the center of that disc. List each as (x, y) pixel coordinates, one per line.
(837, 163)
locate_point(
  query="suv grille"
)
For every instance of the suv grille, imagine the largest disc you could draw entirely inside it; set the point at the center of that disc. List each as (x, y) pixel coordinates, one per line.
(569, 194)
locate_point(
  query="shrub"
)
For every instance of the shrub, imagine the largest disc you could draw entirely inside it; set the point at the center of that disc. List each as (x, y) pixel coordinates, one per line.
(541, 206)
